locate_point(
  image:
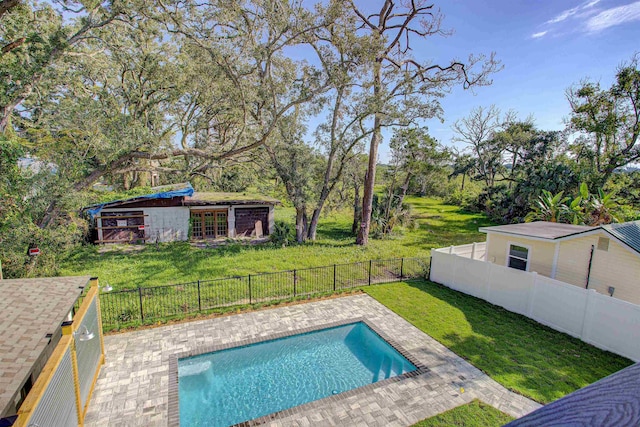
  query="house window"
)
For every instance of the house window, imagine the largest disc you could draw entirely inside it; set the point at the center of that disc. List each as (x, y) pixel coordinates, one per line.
(208, 224)
(518, 257)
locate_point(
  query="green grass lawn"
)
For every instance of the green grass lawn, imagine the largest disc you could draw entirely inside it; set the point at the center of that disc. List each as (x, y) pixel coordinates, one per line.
(519, 353)
(473, 414)
(439, 225)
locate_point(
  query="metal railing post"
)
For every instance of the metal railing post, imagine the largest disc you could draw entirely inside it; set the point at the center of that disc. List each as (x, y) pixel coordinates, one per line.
(140, 299)
(249, 289)
(402, 267)
(199, 300)
(334, 277)
(370, 261)
(295, 281)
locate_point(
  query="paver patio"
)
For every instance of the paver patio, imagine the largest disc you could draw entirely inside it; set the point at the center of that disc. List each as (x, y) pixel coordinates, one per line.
(133, 387)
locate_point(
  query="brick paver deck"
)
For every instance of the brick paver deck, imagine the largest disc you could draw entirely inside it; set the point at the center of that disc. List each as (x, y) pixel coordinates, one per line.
(132, 389)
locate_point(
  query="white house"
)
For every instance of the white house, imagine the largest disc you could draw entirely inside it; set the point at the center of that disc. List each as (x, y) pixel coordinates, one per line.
(605, 258)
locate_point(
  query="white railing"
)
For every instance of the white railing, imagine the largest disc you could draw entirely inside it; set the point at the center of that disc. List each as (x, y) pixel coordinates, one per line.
(605, 322)
(472, 250)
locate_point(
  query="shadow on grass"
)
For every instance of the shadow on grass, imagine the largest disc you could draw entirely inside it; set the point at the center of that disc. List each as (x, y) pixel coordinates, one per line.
(521, 354)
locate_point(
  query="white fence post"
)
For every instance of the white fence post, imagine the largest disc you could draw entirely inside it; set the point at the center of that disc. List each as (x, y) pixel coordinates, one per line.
(473, 251)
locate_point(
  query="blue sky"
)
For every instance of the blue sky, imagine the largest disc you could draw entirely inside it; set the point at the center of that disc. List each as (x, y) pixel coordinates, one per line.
(545, 47)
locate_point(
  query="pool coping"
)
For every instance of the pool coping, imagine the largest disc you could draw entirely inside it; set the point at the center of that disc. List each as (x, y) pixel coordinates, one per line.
(173, 404)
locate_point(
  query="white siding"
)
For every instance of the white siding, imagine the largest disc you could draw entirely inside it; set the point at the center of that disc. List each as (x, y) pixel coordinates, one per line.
(541, 253)
(618, 267)
(573, 260)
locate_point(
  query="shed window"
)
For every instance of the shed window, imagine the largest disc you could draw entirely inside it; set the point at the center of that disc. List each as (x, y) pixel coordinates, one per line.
(518, 257)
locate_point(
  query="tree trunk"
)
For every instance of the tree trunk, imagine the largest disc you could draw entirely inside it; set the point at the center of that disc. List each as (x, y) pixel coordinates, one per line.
(404, 189)
(5, 115)
(327, 186)
(464, 175)
(357, 211)
(370, 177)
(301, 224)
(387, 208)
(315, 218)
(369, 182)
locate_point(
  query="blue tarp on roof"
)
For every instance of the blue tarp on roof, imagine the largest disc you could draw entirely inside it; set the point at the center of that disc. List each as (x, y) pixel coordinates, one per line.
(186, 191)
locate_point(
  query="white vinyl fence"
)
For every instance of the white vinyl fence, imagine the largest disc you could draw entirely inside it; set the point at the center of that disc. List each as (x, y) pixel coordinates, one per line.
(600, 320)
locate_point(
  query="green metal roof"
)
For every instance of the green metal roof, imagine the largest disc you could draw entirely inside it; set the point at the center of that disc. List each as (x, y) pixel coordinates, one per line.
(626, 232)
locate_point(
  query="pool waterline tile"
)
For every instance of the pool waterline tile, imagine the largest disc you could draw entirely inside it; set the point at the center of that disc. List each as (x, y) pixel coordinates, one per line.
(174, 407)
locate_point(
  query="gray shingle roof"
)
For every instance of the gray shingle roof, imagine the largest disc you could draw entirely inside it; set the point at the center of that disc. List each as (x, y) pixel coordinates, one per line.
(540, 229)
(31, 308)
(627, 232)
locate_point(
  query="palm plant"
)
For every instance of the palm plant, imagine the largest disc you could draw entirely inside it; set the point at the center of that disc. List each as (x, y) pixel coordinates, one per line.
(600, 209)
(574, 212)
(548, 207)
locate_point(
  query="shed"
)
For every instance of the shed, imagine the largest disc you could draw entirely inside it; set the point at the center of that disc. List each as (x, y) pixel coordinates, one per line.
(178, 213)
(33, 311)
(604, 258)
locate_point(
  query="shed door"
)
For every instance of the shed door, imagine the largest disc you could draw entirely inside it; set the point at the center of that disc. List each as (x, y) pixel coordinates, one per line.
(246, 219)
(208, 224)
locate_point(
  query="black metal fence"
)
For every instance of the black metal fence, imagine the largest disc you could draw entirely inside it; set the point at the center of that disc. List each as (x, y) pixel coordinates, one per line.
(143, 305)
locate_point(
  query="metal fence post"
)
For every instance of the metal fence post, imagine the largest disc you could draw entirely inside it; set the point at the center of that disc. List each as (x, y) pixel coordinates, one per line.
(199, 300)
(334, 277)
(402, 267)
(370, 261)
(249, 289)
(140, 299)
(295, 281)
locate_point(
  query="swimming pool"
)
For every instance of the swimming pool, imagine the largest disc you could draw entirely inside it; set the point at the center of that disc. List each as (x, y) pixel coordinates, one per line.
(238, 384)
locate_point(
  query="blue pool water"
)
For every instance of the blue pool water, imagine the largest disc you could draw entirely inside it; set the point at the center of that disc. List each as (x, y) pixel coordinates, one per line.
(239, 384)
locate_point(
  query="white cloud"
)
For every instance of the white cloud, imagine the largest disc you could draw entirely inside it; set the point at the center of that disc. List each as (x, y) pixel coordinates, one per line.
(538, 35)
(614, 16)
(570, 12)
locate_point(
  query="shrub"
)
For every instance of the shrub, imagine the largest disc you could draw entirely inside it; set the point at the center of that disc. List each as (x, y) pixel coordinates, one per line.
(282, 234)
